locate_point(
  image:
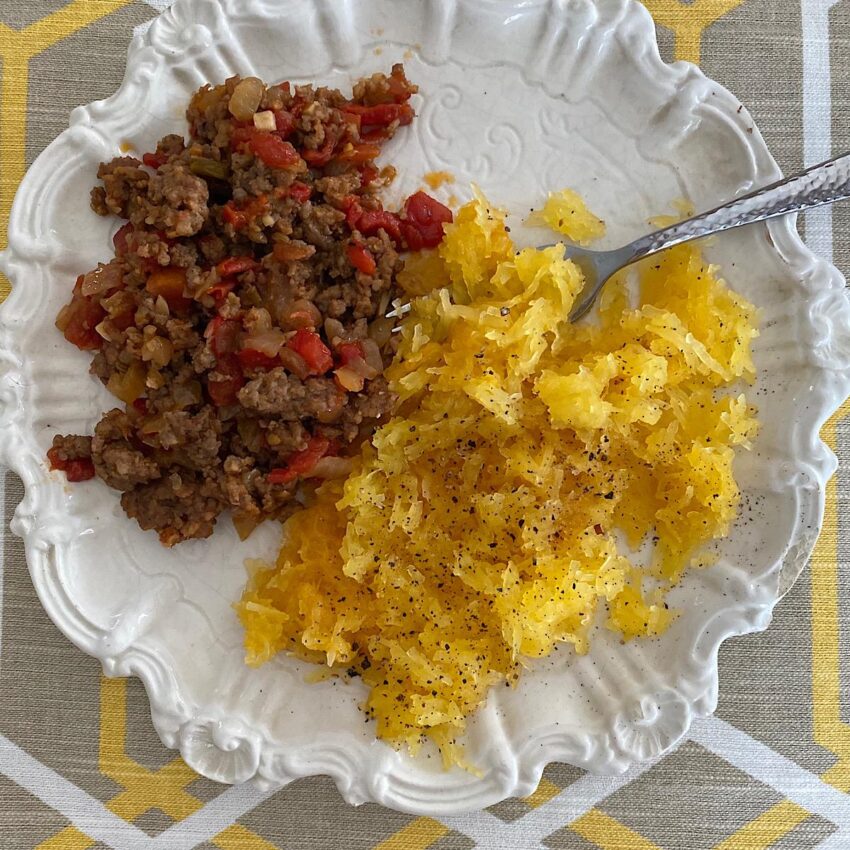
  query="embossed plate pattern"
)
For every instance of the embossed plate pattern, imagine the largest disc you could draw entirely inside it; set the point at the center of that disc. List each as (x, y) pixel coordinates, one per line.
(520, 97)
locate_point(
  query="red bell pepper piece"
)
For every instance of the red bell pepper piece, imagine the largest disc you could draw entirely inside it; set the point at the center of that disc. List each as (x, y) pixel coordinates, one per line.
(236, 265)
(121, 239)
(250, 358)
(314, 352)
(285, 122)
(154, 160)
(361, 259)
(274, 151)
(348, 351)
(225, 391)
(371, 221)
(423, 225)
(381, 114)
(233, 216)
(219, 291)
(77, 469)
(300, 464)
(358, 154)
(300, 191)
(223, 336)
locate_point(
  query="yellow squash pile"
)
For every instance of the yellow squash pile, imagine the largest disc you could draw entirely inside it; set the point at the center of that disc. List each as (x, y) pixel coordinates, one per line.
(481, 525)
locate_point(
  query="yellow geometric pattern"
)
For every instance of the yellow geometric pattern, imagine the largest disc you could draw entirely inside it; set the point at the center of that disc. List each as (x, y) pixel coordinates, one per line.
(688, 21)
(17, 47)
(144, 789)
(165, 789)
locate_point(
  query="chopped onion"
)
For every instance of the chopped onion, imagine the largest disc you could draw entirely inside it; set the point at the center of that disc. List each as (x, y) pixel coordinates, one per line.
(246, 98)
(300, 314)
(349, 378)
(335, 332)
(372, 355)
(266, 342)
(381, 330)
(294, 362)
(64, 318)
(245, 523)
(102, 279)
(157, 350)
(185, 395)
(332, 467)
(334, 408)
(265, 121)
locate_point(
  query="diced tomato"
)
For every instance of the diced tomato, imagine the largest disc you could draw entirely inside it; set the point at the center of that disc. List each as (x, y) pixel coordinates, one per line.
(358, 154)
(347, 351)
(400, 88)
(423, 225)
(225, 391)
(382, 114)
(315, 353)
(371, 221)
(219, 291)
(361, 259)
(300, 464)
(250, 358)
(233, 216)
(284, 252)
(78, 321)
(120, 239)
(170, 283)
(154, 160)
(223, 336)
(352, 209)
(239, 218)
(285, 122)
(236, 265)
(77, 469)
(241, 135)
(300, 191)
(368, 174)
(80, 469)
(274, 151)
(323, 155)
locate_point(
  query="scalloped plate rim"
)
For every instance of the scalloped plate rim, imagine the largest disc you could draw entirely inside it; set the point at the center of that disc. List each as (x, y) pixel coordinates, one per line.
(525, 775)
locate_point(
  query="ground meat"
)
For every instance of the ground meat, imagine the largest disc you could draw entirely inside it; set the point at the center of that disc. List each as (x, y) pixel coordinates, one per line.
(194, 438)
(277, 393)
(181, 506)
(242, 272)
(71, 447)
(373, 404)
(176, 202)
(116, 459)
(124, 180)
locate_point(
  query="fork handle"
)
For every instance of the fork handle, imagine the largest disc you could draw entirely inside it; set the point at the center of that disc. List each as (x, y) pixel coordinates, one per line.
(820, 184)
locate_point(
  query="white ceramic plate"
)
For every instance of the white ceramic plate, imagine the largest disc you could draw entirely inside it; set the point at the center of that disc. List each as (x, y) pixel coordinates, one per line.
(520, 97)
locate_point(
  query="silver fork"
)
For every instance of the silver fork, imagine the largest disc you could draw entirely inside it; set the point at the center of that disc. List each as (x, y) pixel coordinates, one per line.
(821, 184)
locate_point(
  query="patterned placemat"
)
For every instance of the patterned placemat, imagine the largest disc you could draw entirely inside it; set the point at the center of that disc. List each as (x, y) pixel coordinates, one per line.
(80, 764)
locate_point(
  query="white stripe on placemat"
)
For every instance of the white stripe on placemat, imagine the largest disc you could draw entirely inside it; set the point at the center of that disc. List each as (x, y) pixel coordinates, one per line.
(209, 821)
(785, 776)
(85, 812)
(817, 112)
(529, 831)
